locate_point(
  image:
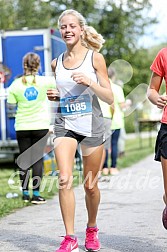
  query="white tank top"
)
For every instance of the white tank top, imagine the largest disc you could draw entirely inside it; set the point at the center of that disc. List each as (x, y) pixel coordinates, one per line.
(79, 109)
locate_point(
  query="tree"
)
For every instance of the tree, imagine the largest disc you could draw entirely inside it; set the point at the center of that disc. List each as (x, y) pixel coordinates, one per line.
(32, 14)
(7, 17)
(121, 25)
(17, 14)
(87, 8)
(120, 22)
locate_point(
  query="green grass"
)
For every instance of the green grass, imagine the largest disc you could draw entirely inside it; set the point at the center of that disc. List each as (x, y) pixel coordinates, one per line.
(7, 205)
(49, 188)
(134, 153)
(136, 150)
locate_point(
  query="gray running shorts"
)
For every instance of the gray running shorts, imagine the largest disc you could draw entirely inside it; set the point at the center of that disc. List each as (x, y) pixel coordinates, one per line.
(88, 141)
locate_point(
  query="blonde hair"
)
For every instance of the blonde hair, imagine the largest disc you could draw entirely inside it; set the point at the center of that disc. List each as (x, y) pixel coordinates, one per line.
(91, 39)
(31, 63)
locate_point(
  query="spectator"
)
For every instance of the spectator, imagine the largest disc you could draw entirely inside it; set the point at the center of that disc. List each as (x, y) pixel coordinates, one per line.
(32, 121)
(117, 119)
(107, 114)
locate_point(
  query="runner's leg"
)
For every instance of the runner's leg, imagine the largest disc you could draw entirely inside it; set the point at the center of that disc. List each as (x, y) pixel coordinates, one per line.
(65, 148)
(91, 165)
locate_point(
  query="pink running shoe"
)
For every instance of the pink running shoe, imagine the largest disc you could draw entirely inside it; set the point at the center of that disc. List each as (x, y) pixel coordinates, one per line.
(92, 242)
(69, 244)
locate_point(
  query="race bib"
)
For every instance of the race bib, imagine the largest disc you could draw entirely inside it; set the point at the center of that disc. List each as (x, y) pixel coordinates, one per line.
(75, 105)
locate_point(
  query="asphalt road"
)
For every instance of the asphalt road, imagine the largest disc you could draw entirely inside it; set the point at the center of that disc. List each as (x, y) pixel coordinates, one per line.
(129, 216)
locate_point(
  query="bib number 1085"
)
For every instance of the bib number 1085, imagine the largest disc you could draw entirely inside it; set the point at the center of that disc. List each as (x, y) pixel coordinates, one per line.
(75, 107)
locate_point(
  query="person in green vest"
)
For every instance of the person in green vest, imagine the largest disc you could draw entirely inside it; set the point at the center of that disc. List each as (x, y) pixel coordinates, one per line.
(117, 119)
(28, 94)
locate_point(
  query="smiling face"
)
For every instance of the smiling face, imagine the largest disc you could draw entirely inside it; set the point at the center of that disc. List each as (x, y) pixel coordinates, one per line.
(70, 29)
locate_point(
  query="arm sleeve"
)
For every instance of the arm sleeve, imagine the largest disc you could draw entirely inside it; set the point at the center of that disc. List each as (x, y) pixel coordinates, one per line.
(11, 98)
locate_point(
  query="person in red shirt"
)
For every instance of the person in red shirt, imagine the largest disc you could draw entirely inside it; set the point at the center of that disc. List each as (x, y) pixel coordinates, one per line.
(159, 72)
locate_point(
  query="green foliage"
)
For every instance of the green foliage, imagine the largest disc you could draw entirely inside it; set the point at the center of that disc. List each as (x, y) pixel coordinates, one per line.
(16, 14)
(135, 150)
(32, 14)
(7, 17)
(130, 123)
(87, 8)
(121, 25)
(140, 62)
